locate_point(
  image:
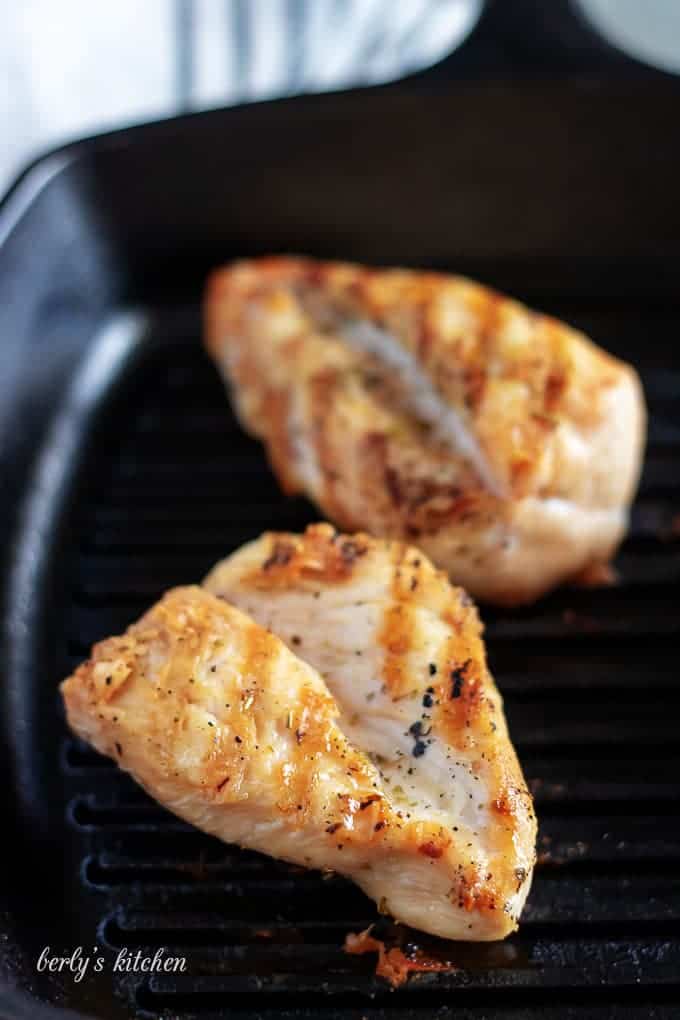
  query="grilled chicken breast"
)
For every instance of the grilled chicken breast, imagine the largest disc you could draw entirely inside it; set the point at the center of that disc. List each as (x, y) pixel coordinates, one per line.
(401, 652)
(396, 770)
(428, 408)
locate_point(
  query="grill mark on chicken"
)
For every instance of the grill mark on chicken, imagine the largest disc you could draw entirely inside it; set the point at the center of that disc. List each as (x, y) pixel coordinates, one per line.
(323, 389)
(395, 638)
(397, 632)
(475, 377)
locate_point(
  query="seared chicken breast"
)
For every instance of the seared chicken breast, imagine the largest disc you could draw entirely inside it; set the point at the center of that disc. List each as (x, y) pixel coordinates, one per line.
(428, 408)
(394, 768)
(401, 652)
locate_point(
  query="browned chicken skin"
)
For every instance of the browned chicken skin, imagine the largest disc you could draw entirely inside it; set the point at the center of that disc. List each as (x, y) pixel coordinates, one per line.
(429, 408)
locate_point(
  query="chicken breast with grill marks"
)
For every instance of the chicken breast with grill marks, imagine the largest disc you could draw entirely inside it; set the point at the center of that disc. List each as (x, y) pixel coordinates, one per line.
(429, 408)
(401, 652)
(396, 770)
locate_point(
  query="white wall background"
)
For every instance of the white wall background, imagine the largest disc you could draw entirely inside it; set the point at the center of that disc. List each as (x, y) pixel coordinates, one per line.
(74, 67)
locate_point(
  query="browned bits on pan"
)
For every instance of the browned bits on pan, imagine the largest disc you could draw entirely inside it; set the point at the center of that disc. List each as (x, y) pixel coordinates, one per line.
(394, 965)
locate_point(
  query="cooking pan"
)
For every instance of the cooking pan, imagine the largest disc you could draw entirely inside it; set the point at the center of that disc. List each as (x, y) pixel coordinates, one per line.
(124, 472)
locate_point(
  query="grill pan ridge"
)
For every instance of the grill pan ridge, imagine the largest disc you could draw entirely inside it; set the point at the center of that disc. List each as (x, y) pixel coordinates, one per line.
(150, 481)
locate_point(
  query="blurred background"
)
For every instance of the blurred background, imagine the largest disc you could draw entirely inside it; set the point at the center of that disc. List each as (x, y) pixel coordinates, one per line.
(75, 67)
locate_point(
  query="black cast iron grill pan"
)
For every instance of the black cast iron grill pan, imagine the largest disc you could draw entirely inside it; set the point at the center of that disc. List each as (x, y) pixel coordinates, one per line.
(129, 474)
